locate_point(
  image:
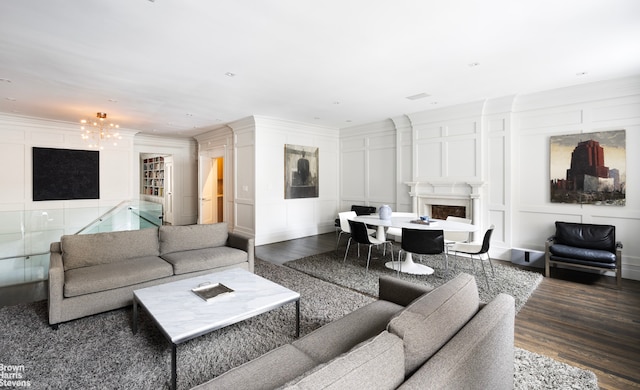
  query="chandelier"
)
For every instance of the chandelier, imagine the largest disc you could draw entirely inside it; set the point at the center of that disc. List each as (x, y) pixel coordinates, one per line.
(98, 132)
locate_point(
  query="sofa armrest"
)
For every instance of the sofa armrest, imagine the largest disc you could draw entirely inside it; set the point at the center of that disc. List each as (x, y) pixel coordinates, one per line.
(245, 243)
(56, 284)
(400, 291)
(480, 355)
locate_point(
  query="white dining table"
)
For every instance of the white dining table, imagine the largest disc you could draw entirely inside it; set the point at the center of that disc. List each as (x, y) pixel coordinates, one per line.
(408, 265)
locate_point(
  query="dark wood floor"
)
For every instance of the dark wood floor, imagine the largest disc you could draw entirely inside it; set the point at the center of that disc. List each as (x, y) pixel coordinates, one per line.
(574, 317)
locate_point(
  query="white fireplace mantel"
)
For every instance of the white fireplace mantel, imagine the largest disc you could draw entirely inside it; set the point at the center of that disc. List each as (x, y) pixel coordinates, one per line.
(449, 193)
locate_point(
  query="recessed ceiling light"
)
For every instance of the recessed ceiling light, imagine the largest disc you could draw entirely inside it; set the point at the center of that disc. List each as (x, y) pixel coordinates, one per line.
(474, 64)
(434, 103)
(418, 96)
(336, 102)
(189, 114)
(11, 99)
(5, 80)
(113, 100)
(581, 73)
(229, 74)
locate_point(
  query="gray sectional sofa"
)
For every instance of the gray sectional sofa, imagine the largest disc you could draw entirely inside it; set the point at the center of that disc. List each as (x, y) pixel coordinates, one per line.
(93, 273)
(410, 338)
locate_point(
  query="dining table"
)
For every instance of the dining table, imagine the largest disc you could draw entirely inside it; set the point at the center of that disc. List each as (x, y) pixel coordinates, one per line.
(411, 222)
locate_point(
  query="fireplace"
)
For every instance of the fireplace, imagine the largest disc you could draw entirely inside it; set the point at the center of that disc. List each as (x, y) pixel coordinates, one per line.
(441, 206)
(439, 199)
(439, 211)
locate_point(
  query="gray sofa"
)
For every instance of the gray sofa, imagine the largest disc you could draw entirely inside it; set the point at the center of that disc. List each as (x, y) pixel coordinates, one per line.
(93, 273)
(410, 338)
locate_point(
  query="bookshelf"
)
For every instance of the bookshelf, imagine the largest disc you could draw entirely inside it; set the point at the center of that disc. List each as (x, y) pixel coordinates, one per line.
(153, 176)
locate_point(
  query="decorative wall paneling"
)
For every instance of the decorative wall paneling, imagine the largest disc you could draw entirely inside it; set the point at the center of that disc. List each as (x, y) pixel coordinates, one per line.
(603, 106)
(260, 207)
(369, 162)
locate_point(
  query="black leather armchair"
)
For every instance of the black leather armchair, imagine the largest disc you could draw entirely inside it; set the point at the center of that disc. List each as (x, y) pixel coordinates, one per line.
(584, 246)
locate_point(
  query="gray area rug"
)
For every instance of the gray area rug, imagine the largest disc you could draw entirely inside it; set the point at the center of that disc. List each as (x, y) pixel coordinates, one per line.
(352, 273)
(100, 352)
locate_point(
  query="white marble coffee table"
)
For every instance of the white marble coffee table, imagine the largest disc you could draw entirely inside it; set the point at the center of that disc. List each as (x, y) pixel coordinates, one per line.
(181, 315)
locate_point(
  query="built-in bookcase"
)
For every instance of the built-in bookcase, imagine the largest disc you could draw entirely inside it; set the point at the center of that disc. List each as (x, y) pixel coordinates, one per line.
(153, 176)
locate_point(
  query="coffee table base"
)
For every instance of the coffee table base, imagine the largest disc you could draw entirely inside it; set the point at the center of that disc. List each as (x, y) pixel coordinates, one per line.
(174, 347)
(253, 295)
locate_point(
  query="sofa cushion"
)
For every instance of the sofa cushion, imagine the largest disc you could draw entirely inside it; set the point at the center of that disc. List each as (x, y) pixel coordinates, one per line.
(377, 363)
(266, 372)
(341, 335)
(202, 259)
(182, 238)
(83, 250)
(595, 255)
(431, 320)
(589, 236)
(102, 277)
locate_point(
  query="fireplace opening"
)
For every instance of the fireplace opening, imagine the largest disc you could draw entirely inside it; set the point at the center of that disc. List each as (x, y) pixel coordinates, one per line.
(443, 211)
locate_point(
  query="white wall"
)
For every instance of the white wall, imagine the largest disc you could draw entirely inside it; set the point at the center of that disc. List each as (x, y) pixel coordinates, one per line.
(119, 176)
(185, 169)
(502, 145)
(28, 227)
(17, 137)
(261, 208)
(612, 105)
(371, 166)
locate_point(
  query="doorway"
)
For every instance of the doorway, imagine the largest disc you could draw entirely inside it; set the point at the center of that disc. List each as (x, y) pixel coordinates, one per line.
(211, 183)
(168, 190)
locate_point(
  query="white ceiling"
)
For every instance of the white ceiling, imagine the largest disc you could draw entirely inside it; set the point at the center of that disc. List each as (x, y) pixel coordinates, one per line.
(160, 66)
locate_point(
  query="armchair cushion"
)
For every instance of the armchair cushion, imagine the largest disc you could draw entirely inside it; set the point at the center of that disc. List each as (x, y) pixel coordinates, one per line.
(600, 256)
(587, 236)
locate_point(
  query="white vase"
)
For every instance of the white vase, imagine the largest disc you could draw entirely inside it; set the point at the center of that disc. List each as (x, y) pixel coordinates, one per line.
(385, 212)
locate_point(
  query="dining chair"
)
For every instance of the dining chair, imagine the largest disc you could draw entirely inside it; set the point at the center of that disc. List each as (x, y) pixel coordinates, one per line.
(452, 237)
(344, 225)
(397, 232)
(422, 242)
(475, 249)
(360, 234)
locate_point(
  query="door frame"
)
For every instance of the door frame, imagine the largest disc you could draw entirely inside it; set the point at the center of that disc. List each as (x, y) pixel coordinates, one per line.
(210, 155)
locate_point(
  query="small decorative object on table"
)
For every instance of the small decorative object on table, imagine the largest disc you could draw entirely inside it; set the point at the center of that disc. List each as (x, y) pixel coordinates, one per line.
(208, 291)
(385, 212)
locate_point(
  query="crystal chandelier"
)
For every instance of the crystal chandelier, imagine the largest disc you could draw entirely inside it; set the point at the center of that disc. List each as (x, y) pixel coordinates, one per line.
(97, 132)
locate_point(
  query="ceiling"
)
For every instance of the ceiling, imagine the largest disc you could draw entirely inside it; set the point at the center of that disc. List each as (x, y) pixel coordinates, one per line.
(183, 67)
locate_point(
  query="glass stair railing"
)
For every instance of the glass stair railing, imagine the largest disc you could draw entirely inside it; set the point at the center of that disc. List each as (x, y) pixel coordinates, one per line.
(25, 236)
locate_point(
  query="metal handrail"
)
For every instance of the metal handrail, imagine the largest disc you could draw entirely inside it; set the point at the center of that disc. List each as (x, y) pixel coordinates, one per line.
(104, 216)
(26, 256)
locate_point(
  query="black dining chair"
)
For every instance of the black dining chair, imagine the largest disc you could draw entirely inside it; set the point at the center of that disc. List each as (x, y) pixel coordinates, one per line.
(360, 234)
(422, 242)
(476, 251)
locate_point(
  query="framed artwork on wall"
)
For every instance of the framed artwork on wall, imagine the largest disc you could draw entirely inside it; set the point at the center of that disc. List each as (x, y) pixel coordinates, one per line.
(588, 168)
(300, 172)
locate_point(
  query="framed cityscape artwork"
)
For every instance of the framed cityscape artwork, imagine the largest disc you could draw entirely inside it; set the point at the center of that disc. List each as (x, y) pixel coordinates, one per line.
(588, 168)
(300, 172)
